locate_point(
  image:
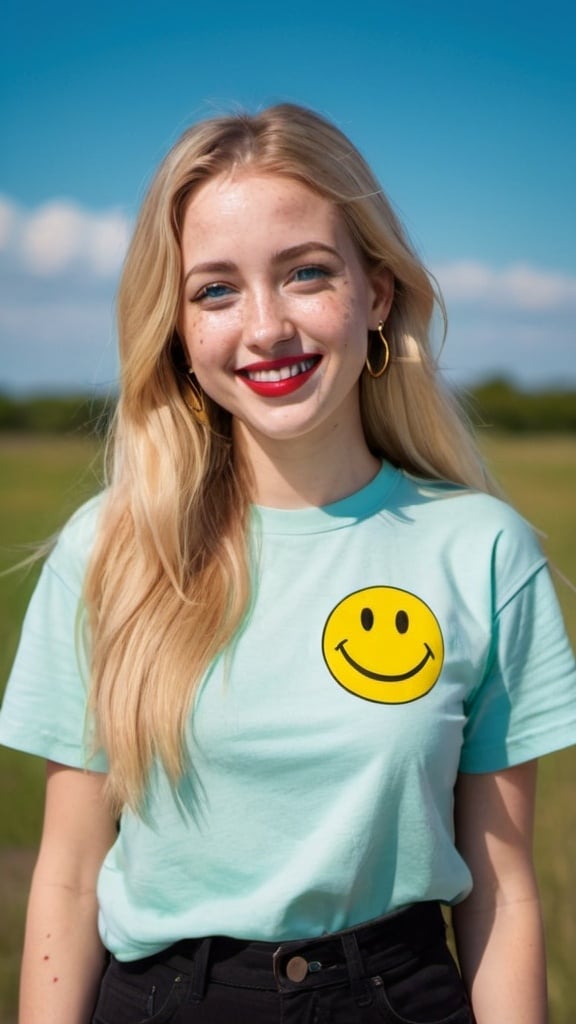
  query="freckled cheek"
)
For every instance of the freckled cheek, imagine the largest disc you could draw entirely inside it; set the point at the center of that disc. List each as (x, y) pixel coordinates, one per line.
(336, 321)
(214, 341)
(321, 316)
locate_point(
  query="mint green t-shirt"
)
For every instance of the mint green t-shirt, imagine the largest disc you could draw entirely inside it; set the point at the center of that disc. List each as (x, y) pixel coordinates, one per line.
(397, 637)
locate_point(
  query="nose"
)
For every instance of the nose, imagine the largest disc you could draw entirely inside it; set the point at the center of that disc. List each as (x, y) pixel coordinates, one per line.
(266, 322)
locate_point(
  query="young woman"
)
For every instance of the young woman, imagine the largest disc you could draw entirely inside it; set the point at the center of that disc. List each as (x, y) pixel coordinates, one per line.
(292, 670)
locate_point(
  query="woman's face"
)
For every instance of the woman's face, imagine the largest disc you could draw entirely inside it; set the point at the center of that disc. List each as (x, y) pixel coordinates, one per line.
(276, 305)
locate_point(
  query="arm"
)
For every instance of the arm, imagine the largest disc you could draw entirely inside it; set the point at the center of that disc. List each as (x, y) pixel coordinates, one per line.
(63, 957)
(498, 928)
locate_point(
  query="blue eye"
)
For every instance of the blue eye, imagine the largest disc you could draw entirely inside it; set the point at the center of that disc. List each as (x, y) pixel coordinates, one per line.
(213, 291)
(310, 273)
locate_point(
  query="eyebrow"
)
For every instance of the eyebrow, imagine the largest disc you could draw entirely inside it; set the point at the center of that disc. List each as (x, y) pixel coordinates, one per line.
(293, 252)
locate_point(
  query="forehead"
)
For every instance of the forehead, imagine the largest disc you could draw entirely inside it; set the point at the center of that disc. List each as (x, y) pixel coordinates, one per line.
(236, 200)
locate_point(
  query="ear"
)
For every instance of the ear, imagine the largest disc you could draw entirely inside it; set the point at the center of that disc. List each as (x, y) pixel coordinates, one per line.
(382, 297)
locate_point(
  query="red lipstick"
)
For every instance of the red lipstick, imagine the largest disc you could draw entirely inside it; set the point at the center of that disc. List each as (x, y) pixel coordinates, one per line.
(278, 377)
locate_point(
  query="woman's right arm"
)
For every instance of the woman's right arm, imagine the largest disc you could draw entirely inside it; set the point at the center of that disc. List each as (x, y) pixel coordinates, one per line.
(63, 957)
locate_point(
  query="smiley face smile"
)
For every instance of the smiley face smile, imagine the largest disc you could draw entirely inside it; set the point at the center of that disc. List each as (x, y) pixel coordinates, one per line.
(378, 675)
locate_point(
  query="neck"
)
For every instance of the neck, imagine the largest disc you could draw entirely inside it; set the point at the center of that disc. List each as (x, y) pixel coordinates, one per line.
(303, 472)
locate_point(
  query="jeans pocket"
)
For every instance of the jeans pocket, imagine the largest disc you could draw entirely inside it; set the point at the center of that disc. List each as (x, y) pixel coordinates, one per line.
(386, 1013)
(130, 994)
(424, 989)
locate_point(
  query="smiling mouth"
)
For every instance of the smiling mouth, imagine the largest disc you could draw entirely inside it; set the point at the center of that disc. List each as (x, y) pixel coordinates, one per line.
(377, 675)
(280, 376)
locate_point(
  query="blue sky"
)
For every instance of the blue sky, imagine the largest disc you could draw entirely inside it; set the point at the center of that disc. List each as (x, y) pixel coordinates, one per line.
(467, 115)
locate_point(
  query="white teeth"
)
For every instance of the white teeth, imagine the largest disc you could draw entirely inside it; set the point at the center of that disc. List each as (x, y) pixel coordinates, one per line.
(283, 373)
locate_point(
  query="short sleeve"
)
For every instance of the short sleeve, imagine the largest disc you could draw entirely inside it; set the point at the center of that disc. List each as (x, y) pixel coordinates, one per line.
(44, 711)
(525, 706)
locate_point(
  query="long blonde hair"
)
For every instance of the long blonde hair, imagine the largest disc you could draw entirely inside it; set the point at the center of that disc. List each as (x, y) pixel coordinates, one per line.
(168, 583)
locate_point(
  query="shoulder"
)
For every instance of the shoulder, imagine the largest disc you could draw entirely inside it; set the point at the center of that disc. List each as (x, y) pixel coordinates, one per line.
(462, 507)
(74, 545)
(82, 525)
(479, 531)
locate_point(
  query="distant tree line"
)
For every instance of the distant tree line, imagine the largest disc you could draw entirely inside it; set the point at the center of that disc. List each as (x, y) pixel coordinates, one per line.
(499, 404)
(56, 414)
(496, 403)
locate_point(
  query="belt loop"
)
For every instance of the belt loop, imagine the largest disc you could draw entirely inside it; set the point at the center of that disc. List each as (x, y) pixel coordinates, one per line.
(358, 982)
(200, 971)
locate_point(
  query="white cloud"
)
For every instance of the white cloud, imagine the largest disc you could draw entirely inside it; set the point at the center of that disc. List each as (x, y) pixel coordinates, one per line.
(109, 241)
(61, 236)
(518, 287)
(52, 238)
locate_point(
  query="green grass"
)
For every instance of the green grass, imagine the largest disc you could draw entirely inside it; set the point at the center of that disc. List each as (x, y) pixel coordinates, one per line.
(43, 480)
(15, 869)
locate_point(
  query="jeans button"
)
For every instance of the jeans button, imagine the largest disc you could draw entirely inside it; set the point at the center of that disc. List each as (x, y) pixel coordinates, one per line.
(296, 968)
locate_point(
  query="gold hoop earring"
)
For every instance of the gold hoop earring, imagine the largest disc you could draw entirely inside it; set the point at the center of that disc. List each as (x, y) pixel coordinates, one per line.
(194, 398)
(379, 373)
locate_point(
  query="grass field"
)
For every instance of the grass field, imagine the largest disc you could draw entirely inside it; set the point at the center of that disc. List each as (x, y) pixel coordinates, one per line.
(43, 480)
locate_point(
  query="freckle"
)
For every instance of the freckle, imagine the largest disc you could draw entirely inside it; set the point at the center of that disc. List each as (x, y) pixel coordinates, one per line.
(49, 936)
(46, 958)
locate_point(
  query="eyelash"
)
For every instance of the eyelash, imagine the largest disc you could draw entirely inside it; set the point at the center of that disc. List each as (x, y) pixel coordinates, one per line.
(315, 268)
(205, 292)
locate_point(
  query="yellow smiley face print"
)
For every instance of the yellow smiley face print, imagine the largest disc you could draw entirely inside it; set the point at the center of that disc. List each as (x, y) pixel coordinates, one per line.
(383, 644)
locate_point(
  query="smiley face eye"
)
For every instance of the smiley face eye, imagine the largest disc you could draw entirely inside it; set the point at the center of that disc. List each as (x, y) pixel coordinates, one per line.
(402, 621)
(367, 618)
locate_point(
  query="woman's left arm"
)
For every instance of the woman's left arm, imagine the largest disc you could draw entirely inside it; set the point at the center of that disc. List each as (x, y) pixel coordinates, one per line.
(498, 927)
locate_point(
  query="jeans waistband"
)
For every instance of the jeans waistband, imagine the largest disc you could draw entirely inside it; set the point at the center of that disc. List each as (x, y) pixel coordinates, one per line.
(305, 963)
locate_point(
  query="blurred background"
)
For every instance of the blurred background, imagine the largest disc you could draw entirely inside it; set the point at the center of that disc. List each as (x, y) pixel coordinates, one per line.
(465, 112)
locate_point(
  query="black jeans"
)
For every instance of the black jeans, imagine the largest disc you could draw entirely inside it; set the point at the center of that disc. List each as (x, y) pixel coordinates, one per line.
(396, 969)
